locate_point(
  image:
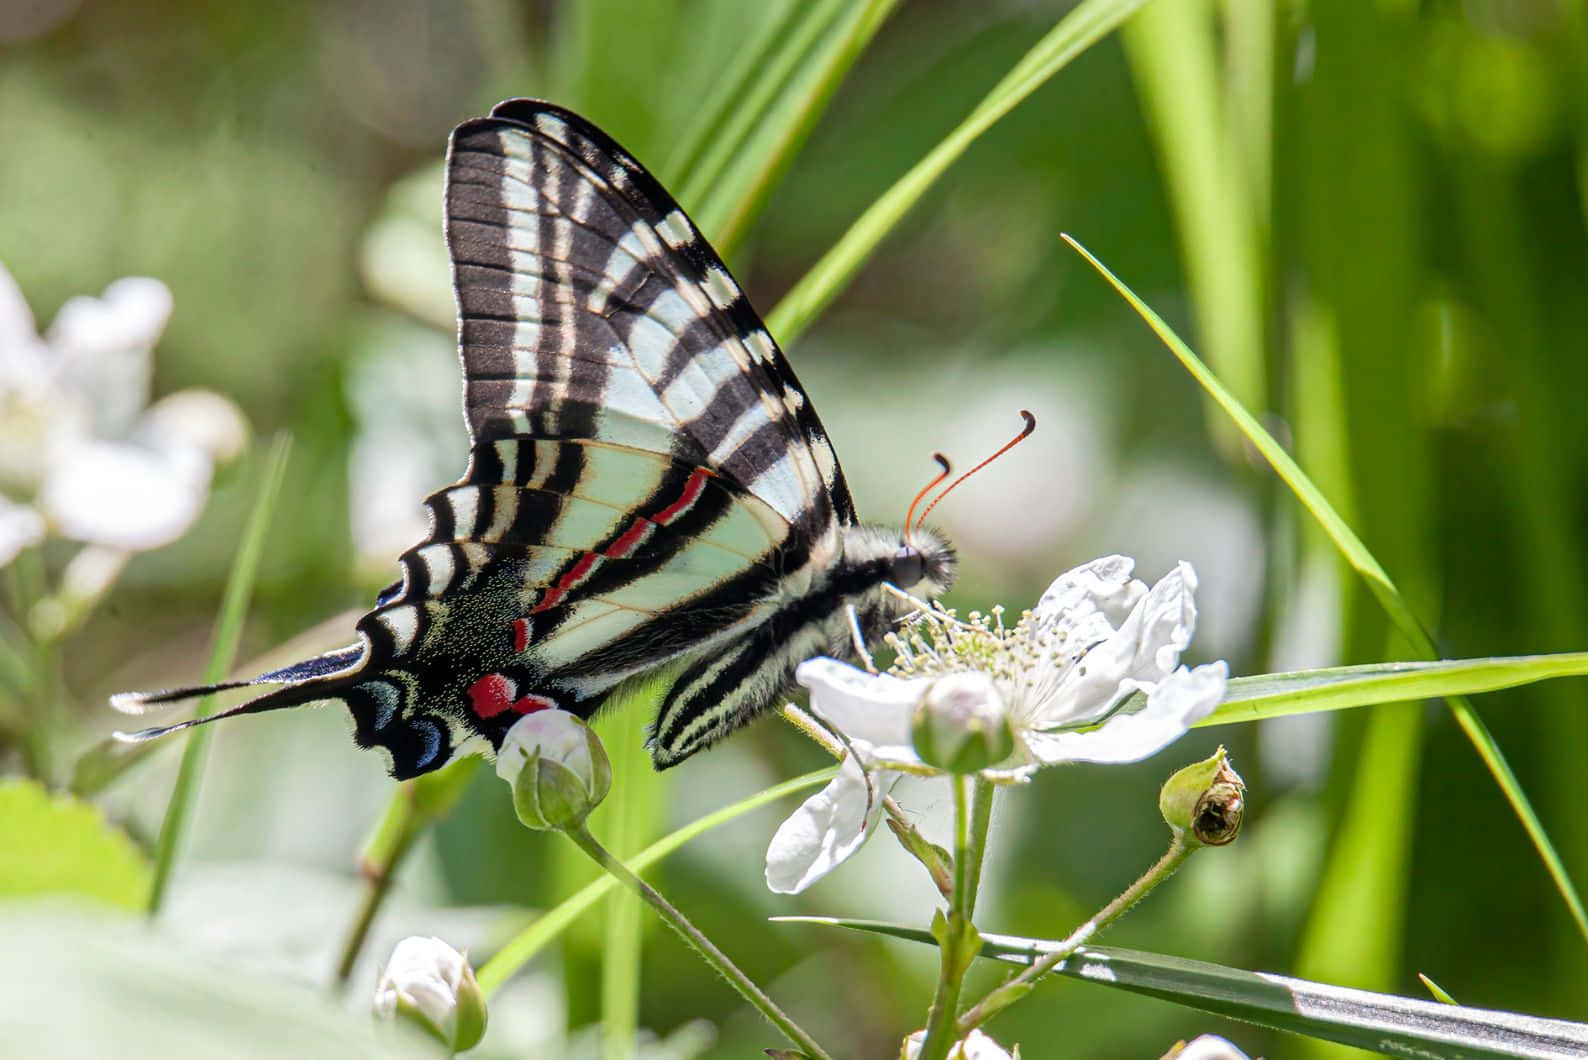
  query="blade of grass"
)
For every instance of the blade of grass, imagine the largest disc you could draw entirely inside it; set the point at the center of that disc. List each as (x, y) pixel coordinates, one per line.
(1174, 64)
(1378, 581)
(554, 921)
(734, 86)
(1381, 1023)
(223, 650)
(1343, 687)
(737, 199)
(779, 72)
(1086, 24)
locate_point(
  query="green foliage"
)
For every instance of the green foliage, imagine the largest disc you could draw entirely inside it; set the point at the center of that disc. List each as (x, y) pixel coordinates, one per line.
(56, 845)
(1369, 220)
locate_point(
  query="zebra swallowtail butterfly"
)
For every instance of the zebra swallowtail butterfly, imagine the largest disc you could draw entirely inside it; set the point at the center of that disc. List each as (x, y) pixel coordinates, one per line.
(648, 485)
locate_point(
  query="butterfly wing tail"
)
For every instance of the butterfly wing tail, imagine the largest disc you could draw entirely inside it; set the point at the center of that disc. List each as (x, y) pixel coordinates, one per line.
(280, 699)
(306, 681)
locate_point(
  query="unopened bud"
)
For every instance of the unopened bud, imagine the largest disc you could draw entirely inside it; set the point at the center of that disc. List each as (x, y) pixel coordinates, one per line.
(961, 725)
(1205, 802)
(557, 767)
(431, 985)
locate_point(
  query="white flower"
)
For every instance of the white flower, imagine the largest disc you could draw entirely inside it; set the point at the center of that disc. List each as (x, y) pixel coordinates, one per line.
(78, 449)
(975, 1046)
(431, 984)
(1063, 671)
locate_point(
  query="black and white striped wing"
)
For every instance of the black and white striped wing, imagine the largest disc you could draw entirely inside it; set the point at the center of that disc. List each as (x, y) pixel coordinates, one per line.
(647, 473)
(646, 477)
(591, 307)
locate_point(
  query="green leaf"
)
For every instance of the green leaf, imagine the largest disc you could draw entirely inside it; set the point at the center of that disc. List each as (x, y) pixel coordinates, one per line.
(1378, 1022)
(99, 985)
(1086, 24)
(1342, 687)
(56, 845)
(1378, 581)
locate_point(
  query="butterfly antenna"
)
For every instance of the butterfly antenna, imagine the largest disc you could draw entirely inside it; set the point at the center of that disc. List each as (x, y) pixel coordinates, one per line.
(946, 470)
(1025, 432)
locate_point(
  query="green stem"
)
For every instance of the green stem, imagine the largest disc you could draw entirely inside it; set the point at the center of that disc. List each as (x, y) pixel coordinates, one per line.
(958, 942)
(228, 631)
(29, 583)
(1021, 984)
(980, 818)
(377, 867)
(412, 808)
(704, 946)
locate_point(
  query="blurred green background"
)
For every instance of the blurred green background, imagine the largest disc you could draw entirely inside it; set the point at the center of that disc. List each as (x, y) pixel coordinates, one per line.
(1368, 216)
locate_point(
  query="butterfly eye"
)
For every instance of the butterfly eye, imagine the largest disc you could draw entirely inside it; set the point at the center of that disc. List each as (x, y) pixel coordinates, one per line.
(908, 567)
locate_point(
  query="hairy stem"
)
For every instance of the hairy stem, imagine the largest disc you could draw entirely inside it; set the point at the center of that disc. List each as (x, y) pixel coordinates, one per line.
(705, 947)
(1021, 984)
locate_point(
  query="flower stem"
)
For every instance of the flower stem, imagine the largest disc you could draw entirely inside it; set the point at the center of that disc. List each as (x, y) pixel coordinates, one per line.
(414, 806)
(1021, 984)
(223, 652)
(957, 939)
(704, 946)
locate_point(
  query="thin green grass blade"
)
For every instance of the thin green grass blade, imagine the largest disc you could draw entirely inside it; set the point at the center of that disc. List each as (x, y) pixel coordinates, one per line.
(1380, 1023)
(1086, 24)
(762, 95)
(223, 650)
(739, 197)
(711, 118)
(554, 921)
(1174, 61)
(1378, 581)
(1343, 687)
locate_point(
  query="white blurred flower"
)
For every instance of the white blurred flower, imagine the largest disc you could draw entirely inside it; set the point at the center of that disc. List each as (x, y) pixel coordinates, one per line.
(975, 1046)
(80, 455)
(1062, 673)
(431, 984)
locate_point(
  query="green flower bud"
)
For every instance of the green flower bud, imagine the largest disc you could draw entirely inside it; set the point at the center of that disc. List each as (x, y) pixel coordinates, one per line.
(557, 767)
(1205, 802)
(961, 725)
(430, 984)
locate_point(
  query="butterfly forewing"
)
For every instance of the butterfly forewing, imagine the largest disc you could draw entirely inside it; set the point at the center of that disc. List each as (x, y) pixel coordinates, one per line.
(590, 307)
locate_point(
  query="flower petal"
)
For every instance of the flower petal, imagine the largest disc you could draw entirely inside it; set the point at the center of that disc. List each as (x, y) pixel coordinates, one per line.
(1103, 586)
(103, 347)
(872, 711)
(20, 526)
(976, 1045)
(125, 496)
(827, 828)
(1145, 649)
(1173, 706)
(16, 319)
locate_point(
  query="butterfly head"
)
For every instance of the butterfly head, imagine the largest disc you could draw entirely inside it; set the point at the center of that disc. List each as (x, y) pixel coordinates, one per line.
(923, 565)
